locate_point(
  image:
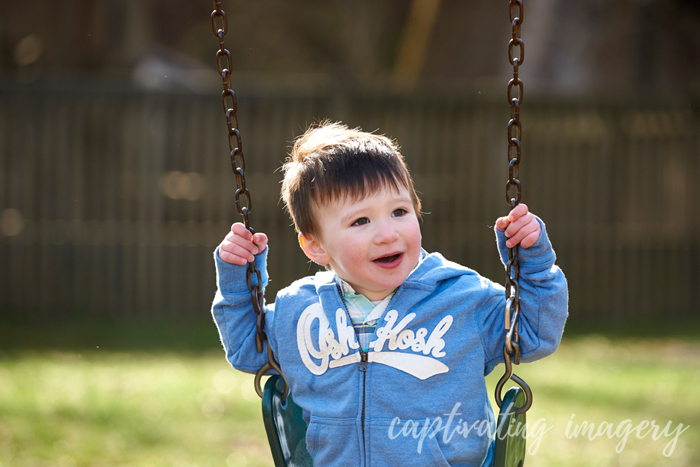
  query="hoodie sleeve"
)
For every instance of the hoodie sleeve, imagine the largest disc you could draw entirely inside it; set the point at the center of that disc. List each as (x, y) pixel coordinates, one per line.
(235, 318)
(543, 304)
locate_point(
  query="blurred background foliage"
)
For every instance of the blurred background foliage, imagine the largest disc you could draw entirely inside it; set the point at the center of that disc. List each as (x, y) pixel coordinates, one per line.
(115, 185)
(574, 48)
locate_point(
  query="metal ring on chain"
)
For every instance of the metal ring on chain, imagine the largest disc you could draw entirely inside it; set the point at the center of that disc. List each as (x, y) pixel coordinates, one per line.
(520, 59)
(219, 13)
(225, 95)
(219, 56)
(515, 83)
(519, 16)
(510, 375)
(512, 345)
(513, 123)
(509, 305)
(270, 365)
(509, 185)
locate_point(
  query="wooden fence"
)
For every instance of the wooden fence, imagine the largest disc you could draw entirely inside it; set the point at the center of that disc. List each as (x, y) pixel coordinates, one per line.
(111, 202)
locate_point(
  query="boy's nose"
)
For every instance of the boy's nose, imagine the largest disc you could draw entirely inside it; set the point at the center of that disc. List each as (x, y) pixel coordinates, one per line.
(386, 233)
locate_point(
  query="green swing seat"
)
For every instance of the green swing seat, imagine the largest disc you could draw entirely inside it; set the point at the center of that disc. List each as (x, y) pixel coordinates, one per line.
(286, 428)
(510, 448)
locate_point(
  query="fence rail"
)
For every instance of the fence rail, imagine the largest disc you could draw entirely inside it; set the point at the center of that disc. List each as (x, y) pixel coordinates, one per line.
(111, 203)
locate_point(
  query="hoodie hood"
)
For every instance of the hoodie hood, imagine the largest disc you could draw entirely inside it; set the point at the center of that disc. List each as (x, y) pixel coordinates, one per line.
(432, 270)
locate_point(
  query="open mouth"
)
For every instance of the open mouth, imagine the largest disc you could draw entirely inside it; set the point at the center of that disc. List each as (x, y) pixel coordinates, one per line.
(388, 259)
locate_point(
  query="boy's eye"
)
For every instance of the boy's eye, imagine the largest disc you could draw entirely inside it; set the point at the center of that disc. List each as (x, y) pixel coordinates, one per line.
(361, 221)
(399, 212)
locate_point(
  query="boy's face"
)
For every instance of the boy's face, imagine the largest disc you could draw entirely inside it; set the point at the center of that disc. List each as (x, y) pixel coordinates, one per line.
(372, 243)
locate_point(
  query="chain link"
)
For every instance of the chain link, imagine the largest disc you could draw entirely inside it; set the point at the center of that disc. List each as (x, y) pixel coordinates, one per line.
(516, 56)
(224, 62)
(513, 185)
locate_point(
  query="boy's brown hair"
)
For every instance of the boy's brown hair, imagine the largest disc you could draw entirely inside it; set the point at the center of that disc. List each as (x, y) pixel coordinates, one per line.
(330, 161)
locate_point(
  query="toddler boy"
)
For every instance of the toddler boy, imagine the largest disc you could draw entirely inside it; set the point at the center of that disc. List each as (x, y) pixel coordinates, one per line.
(389, 338)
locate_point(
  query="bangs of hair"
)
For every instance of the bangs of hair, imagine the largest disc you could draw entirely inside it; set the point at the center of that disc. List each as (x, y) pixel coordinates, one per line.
(354, 175)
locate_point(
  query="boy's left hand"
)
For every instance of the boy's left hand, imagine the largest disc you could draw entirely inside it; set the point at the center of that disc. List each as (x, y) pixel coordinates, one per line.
(520, 226)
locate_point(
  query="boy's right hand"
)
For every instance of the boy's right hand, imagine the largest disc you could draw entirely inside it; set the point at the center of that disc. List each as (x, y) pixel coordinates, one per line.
(240, 246)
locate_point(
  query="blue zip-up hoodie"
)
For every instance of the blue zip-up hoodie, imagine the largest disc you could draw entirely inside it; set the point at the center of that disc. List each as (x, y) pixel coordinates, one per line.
(418, 397)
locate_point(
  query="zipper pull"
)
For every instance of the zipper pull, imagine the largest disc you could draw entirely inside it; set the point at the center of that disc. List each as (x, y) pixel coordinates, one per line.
(363, 361)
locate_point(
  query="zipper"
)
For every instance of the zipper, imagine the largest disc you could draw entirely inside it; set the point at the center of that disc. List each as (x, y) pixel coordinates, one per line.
(363, 368)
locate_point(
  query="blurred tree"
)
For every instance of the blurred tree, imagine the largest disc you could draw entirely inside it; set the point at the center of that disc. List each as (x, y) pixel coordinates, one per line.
(572, 47)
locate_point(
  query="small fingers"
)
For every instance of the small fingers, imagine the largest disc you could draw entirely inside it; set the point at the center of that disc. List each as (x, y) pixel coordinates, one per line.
(260, 240)
(502, 223)
(234, 253)
(254, 243)
(530, 239)
(242, 236)
(242, 242)
(517, 212)
(240, 230)
(230, 257)
(530, 232)
(515, 226)
(240, 246)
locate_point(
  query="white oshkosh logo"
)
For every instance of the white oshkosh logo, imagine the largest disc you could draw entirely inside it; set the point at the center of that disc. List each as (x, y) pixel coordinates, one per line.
(333, 352)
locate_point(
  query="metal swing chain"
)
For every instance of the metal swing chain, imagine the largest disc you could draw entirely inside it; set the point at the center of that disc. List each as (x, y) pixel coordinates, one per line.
(219, 25)
(513, 196)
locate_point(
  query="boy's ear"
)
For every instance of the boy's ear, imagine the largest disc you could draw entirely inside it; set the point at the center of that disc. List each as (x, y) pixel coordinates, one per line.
(313, 250)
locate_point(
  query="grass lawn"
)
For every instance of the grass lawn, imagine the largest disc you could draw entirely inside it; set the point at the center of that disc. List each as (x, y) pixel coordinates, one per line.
(136, 408)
